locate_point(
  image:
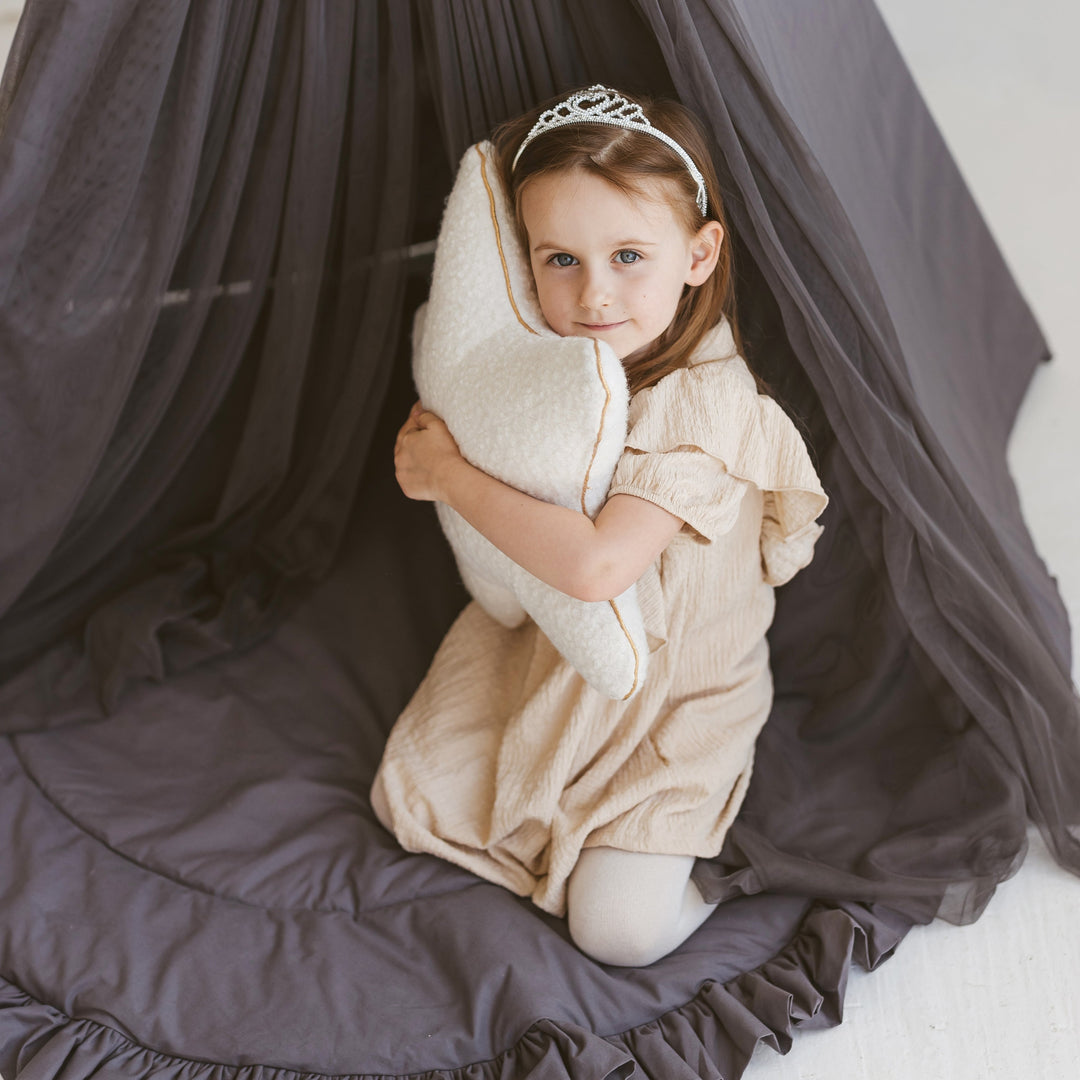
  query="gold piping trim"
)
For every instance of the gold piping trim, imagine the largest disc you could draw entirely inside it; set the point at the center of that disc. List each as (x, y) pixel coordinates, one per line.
(600, 429)
(633, 647)
(498, 240)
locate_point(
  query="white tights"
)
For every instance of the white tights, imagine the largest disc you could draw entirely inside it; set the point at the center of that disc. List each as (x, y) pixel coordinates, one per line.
(631, 908)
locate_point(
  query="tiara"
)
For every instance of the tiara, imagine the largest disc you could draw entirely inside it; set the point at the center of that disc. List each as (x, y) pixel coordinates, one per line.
(602, 105)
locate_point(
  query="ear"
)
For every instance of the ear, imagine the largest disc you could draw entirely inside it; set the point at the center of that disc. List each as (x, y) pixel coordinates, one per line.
(704, 252)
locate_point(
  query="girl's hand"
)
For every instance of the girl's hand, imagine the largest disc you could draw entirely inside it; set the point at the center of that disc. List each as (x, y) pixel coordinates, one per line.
(590, 560)
(424, 453)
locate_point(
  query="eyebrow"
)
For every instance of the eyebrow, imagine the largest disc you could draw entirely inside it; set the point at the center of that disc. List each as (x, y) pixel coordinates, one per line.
(547, 245)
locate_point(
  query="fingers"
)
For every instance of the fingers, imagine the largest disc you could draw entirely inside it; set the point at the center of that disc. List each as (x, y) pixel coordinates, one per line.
(419, 419)
(407, 429)
(423, 420)
(412, 424)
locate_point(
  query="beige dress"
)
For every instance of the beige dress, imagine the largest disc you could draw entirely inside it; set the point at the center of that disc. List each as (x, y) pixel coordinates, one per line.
(507, 763)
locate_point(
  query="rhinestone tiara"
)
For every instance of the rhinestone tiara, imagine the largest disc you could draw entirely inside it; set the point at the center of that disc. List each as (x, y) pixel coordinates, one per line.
(602, 105)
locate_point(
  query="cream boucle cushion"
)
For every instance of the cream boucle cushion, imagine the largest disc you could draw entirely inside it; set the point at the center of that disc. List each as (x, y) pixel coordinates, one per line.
(543, 413)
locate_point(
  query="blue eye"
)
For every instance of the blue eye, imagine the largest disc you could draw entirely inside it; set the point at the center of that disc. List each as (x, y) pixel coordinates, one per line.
(562, 259)
(627, 257)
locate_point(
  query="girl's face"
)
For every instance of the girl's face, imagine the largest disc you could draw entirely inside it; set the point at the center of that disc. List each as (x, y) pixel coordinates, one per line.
(610, 265)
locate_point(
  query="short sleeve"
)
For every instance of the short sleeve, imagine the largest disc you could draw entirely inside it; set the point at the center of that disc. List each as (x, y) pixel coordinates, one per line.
(700, 438)
(686, 482)
(786, 547)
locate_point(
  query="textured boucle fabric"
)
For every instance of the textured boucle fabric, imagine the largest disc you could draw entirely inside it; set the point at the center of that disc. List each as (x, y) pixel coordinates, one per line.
(543, 413)
(507, 763)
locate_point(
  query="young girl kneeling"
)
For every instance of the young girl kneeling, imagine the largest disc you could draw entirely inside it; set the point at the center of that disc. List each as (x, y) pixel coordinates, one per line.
(505, 761)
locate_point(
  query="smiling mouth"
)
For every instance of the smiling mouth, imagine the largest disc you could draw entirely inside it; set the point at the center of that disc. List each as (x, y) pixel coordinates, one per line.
(603, 326)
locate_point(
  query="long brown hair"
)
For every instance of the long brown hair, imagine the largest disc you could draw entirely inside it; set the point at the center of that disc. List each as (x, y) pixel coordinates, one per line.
(629, 160)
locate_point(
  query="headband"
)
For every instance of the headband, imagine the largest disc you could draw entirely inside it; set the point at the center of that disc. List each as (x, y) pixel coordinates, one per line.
(602, 105)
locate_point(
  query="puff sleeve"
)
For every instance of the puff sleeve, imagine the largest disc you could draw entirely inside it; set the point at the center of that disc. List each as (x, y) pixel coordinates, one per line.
(700, 438)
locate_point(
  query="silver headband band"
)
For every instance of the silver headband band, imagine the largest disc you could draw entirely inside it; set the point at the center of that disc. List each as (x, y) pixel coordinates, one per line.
(602, 105)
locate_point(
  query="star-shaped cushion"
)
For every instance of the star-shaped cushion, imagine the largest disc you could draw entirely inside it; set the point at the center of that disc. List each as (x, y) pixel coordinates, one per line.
(543, 413)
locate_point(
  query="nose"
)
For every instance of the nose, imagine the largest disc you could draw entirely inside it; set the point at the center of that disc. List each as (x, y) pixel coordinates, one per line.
(596, 291)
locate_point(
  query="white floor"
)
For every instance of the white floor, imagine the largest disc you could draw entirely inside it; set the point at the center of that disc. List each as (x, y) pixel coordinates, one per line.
(9, 17)
(1000, 998)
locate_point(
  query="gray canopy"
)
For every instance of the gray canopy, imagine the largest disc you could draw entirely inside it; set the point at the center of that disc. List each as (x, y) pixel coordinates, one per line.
(214, 601)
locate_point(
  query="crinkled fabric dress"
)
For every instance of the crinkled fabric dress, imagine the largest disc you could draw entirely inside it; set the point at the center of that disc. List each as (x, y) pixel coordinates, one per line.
(507, 763)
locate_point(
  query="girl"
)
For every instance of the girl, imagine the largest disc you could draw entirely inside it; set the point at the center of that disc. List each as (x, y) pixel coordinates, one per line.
(506, 761)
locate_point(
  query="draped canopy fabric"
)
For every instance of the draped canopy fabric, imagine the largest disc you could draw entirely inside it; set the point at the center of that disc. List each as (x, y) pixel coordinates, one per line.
(213, 601)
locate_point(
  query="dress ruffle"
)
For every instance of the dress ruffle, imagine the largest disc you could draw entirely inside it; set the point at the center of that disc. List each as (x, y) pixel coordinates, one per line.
(712, 1036)
(704, 434)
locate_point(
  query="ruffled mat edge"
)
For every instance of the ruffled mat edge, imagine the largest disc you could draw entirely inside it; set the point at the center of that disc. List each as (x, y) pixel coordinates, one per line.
(711, 1037)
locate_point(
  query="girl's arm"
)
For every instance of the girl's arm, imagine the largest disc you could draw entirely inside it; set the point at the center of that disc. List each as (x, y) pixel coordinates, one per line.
(590, 560)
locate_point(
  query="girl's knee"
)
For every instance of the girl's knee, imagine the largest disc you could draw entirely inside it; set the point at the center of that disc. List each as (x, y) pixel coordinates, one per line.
(629, 908)
(619, 936)
(620, 911)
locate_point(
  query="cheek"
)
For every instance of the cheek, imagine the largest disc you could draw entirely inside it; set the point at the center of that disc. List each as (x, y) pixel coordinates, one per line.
(543, 295)
(553, 290)
(676, 285)
(541, 289)
(664, 299)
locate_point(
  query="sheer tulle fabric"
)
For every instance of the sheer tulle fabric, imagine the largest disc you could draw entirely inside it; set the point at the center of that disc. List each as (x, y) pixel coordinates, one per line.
(206, 210)
(205, 220)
